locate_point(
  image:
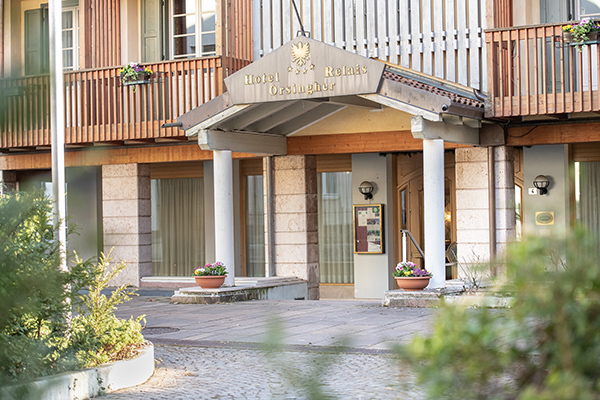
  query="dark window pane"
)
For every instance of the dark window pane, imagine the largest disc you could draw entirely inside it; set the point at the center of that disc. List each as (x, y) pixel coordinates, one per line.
(185, 45)
(184, 25)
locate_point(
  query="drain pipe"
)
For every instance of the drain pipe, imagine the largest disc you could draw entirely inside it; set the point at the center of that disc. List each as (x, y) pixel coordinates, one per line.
(492, 201)
(270, 266)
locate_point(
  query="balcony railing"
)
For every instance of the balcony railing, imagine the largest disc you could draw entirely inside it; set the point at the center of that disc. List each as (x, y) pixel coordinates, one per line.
(533, 71)
(99, 108)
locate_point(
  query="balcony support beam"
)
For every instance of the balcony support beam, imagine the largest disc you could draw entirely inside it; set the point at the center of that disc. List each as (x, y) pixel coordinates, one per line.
(423, 129)
(256, 143)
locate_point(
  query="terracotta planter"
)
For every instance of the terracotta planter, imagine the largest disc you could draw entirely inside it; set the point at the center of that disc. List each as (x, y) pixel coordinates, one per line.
(210, 281)
(413, 283)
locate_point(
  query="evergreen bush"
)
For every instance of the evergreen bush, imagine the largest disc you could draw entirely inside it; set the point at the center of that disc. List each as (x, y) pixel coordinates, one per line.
(545, 346)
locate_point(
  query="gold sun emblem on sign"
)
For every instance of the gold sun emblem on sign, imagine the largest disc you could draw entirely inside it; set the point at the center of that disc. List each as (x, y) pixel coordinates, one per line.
(300, 53)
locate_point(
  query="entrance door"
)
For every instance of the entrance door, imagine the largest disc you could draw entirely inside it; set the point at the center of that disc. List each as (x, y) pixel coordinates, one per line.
(409, 203)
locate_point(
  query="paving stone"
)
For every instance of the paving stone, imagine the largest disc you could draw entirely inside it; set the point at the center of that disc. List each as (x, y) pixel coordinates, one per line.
(185, 372)
(211, 351)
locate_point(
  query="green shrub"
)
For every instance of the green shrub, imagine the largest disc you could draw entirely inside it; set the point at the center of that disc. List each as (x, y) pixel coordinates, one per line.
(32, 296)
(545, 346)
(98, 336)
(37, 335)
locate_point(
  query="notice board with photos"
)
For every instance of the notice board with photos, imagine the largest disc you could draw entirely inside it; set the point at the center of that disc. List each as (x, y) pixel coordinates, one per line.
(368, 229)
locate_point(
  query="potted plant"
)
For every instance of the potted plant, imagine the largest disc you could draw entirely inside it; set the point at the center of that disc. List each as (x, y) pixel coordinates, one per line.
(211, 276)
(135, 74)
(410, 277)
(579, 34)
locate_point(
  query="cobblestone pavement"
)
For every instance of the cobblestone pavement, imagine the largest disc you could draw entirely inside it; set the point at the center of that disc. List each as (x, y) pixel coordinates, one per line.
(213, 351)
(185, 372)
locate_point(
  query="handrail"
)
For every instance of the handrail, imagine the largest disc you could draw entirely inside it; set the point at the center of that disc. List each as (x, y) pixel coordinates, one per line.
(404, 232)
(536, 70)
(99, 108)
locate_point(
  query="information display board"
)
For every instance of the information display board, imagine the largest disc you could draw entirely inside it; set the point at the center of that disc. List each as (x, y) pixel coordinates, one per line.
(368, 229)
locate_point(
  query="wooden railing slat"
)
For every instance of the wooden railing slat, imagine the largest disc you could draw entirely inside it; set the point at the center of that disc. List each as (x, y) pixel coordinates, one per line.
(99, 108)
(537, 73)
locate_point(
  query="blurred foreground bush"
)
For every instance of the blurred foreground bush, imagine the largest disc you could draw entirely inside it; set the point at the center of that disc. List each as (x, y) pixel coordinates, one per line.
(545, 346)
(37, 335)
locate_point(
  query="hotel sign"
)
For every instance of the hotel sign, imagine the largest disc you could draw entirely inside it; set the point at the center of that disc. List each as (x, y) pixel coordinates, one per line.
(304, 69)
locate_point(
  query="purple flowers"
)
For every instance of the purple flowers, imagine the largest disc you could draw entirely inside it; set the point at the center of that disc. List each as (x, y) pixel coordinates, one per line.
(407, 269)
(132, 70)
(216, 269)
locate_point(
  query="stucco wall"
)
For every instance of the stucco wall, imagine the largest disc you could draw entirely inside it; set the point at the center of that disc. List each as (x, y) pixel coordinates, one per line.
(552, 161)
(373, 272)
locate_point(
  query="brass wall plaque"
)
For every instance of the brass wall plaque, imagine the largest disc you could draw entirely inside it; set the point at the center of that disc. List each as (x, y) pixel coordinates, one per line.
(544, 218)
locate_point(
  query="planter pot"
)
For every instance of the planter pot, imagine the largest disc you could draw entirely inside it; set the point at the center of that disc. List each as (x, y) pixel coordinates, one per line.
(568, 37)
(139, 79)
(210, 281)
(413, 283)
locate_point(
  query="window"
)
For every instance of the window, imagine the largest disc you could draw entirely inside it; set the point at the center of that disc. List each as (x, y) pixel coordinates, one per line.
(177, 226)
(589, 8)
(336, 255)
(587, 195)
(255, 226)
(193, 28)
(36, 44)
(70, 38)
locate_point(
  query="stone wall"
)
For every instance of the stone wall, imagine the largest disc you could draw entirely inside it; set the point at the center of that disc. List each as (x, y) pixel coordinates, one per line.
(296, 220)
(472, 203)
(126, 220)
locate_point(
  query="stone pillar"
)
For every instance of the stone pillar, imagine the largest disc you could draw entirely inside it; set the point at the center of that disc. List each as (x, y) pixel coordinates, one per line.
(433, 193)
(296, 220)
(223, 194)
(505, 198)
(8, 181)
(472, 203)
(126, 219)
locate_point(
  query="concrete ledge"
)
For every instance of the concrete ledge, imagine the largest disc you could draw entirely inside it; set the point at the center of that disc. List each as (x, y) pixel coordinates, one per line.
(422, 298)
(453, 294)
(275, 288)
(88, 382)
(168, 282)
(480, 300)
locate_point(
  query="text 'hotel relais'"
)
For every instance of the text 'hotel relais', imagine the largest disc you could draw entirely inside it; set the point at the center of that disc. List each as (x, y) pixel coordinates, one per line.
(304, 147)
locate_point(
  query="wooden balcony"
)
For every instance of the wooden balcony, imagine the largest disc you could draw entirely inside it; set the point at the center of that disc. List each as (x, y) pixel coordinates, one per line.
(533, 72)
(100, 109)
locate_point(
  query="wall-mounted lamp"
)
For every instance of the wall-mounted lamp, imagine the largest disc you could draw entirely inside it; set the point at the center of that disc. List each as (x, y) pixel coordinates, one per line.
(366, 188)
(541, 182)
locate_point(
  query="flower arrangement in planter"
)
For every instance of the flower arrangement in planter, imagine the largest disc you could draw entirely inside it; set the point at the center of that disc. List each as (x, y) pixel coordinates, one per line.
(410, 277)
(586, 30)
(211, 276)
(135, 74)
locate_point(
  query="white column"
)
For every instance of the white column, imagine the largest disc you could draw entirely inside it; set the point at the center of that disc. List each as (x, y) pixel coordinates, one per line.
(223, 192)
(433, 186)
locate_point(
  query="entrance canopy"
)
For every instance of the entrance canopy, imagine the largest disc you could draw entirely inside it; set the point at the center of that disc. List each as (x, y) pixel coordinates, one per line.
(305, 81)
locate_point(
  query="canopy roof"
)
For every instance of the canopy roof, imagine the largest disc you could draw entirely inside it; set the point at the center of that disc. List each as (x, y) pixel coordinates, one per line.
(305, 81)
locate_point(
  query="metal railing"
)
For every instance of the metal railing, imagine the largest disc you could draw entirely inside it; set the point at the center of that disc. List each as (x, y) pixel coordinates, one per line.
(404, 233)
